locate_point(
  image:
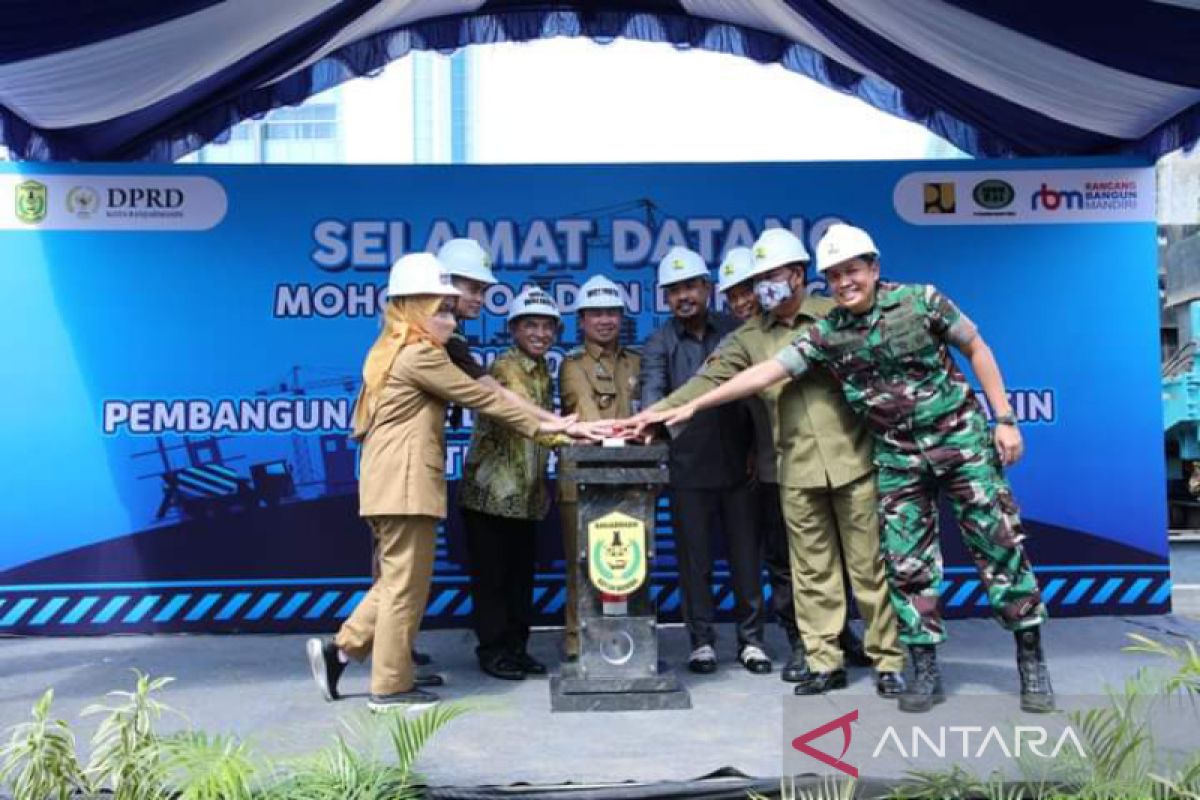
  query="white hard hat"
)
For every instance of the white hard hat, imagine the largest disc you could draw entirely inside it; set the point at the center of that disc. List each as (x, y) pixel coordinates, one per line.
(533, 302)
(681, 264)
(599, 292)
(776, 247)
(841, 243)
(419, 273)
(737, 267)
(467, 259)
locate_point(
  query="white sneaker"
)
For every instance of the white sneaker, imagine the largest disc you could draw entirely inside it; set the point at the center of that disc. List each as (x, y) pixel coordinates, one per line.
(755, 660)
(703, 660)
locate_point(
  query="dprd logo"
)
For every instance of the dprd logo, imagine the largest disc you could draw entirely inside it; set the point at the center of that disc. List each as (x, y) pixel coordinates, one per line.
(31, 201)
(617, 553)
(842, 723)
(939, 198)
(83, 201)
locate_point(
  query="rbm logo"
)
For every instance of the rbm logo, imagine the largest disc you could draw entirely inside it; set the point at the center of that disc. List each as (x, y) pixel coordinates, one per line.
(1052, 200)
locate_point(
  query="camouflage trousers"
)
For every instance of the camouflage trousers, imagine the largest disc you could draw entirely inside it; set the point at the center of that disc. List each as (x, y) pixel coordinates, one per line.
(963, 464)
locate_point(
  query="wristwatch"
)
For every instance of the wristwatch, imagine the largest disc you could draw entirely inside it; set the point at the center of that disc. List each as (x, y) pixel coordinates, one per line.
(1007, 419)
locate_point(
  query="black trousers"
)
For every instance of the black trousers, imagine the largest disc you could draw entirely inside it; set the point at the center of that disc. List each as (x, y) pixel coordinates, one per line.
(777, 557)
(696, 513)
(502, 554)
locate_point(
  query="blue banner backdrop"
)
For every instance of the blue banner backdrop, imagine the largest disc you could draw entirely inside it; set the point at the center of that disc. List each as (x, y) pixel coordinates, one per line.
(184, 345)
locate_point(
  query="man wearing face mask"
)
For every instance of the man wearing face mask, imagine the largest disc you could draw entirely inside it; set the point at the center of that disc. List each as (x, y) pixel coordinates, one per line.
(708, 463)
(826, 477)
(735, 280)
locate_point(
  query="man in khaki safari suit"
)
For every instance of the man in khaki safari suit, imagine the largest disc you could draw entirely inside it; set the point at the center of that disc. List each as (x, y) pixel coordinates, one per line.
(597, 381)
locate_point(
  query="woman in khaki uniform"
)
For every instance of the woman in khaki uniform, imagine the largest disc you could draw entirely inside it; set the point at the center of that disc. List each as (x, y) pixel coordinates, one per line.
(407, 382)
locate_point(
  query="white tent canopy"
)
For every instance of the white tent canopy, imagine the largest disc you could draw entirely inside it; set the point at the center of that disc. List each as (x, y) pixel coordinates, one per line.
(142, 79)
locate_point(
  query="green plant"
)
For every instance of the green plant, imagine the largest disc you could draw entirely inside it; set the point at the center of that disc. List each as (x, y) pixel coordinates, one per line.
(830, 788)
(1119, 749)
(208, 767)
(997, 788)
(951, 784)
(409, 735)
(1121, 753)
(38, 762)
(126, 753)
(1187, 658)
(1184, 784)
(339, 772)
(353, 768)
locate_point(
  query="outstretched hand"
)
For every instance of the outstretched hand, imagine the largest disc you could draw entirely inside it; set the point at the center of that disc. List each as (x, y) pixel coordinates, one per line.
(678, 416)
(557, 424)
(595, 431)
(638, 425)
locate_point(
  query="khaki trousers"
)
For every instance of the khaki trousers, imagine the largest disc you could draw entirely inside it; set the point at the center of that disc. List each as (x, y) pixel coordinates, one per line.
(826, 526)
(385, 623)
(570, 532)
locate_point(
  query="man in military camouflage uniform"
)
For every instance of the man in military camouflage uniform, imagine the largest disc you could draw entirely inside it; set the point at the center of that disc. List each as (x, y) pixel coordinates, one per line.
(597, 381)
(888, 344)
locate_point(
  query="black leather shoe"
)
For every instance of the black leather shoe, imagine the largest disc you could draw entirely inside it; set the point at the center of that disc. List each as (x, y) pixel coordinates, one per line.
(421, 659)
(822, 682)
(325, 665)
(852, 648)
(890, 684)
(428, 681)
(796, 670)
(503, 667)
(703, 660)
(529, 664)
(754, 660)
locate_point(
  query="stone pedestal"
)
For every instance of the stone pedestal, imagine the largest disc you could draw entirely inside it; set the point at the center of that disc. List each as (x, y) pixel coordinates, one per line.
(618, 667)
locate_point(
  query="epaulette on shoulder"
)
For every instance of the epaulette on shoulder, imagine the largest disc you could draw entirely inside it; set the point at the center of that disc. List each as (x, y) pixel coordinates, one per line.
(637, 351)
(575, 352)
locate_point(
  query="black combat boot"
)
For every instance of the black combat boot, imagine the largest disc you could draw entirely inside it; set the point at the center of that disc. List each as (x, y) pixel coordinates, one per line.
(926, 687)
(1037, 696)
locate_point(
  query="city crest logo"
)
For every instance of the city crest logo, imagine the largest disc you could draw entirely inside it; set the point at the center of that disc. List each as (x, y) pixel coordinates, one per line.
(31, 201)
(617, 553)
